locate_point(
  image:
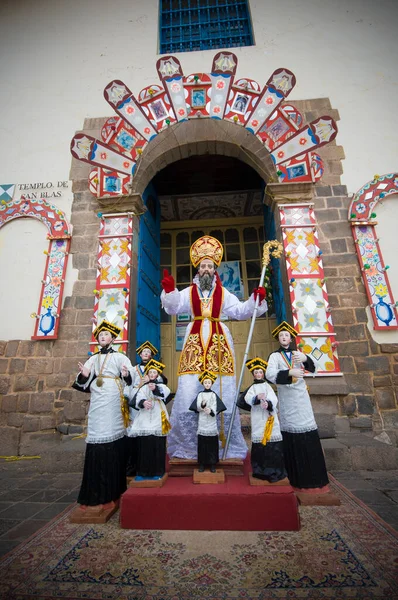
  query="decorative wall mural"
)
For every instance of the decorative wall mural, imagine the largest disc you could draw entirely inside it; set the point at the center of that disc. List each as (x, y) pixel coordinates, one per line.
(112, 293)
(374, 271)
(59, 234)
(308, 292)
(213, 95)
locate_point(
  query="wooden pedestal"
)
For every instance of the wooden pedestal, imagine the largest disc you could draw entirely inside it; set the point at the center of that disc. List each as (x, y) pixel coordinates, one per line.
(310, 499)
(208, 476)
(94, 514)
(255, 481)
(183, 467)
(148, 483)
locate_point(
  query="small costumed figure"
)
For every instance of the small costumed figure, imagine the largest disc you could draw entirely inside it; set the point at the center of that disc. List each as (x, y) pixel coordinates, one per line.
(104, 375)
(208, 404)
(152, 424)
(267, 446)
(146, 352)
(304, 459)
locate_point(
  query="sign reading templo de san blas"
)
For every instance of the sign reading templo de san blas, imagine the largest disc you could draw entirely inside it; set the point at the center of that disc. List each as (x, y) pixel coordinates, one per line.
(48, 189)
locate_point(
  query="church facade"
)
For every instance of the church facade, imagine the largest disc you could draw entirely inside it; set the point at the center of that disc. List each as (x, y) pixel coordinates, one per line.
(221, 147)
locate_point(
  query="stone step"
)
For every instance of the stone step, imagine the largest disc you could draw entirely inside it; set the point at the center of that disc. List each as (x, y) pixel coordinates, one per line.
(346, 452)
(356, 451)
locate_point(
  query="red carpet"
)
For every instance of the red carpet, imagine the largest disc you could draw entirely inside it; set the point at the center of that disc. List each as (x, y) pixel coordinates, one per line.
(232, 506)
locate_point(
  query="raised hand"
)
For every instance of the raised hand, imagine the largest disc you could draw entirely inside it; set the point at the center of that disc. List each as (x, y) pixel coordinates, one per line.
(260, 292)
(168, 283)
(83, 370)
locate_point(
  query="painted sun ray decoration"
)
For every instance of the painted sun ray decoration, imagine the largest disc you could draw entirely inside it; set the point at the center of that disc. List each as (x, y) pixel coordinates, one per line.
(171, 75)
(314, 135)
(277, 88)
(203, 95)
(123, 102)
(90, 150)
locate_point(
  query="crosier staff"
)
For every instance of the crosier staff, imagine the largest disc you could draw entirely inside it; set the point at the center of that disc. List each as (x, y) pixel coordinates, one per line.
(271, 248)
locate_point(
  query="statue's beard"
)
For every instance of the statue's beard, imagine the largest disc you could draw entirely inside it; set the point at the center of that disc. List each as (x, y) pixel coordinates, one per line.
(205, 281)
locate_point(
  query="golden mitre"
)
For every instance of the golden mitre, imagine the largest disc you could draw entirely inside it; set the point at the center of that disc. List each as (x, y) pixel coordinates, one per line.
(206, 247)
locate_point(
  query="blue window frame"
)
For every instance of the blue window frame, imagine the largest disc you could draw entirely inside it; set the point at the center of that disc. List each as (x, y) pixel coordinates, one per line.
(188, 25)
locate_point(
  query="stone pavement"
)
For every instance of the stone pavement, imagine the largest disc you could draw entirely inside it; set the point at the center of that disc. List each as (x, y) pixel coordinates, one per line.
(28, 500)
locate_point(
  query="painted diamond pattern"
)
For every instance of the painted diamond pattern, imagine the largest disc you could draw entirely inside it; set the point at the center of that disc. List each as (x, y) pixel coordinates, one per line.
(317, 354)
(310, 305)
(7, 191)
(116, 226)
(320, 348)
(297, 216)
(302, 251)
(114, 260)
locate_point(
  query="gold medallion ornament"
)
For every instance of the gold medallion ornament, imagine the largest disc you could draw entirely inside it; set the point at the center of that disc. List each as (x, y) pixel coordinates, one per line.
(206, 247)
(100, 377)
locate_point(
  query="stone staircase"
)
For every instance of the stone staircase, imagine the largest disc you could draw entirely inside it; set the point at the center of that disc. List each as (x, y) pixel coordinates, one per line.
(359, 451)
(348, 451)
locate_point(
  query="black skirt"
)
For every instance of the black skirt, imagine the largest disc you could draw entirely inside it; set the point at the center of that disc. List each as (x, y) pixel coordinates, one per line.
(207, 449)
(304, 459)
(132, 452)
(104, 473)
(151, 455)
(267, 461)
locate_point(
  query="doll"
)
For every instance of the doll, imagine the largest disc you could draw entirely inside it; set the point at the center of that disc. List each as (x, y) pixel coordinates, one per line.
(152, 424)
(304, 460)
(104, 375)
(208, 404)
(267, 447)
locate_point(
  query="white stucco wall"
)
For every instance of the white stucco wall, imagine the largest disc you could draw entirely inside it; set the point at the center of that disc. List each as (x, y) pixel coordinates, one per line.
(57, 57)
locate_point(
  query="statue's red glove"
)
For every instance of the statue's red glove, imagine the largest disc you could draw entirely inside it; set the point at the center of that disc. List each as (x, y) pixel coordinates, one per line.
(260, 292)
(168, 283)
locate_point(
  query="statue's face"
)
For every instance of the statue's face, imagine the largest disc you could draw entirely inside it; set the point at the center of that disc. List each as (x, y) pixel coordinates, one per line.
(146, 354)
(284, 338)
(258, 374)
(206, 266)
(207, 383)
(152, 374)
(104, 338)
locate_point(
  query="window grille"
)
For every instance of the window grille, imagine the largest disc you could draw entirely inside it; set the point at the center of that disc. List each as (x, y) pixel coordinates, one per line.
(188, 25)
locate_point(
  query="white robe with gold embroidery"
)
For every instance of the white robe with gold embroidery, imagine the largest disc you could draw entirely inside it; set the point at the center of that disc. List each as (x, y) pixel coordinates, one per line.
(182, 440)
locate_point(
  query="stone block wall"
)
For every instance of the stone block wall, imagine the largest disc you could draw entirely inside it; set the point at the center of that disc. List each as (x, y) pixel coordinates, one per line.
(39, 407)
(370, 369)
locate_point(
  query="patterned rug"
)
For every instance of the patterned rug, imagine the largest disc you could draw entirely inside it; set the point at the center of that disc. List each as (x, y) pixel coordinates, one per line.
(340, 552)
